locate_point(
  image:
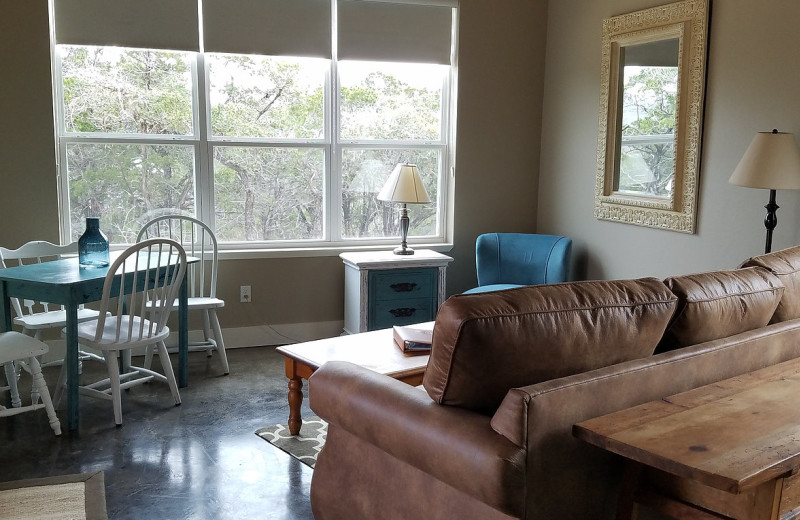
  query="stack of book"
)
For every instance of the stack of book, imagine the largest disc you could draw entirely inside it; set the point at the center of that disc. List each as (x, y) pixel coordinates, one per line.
(412, 339)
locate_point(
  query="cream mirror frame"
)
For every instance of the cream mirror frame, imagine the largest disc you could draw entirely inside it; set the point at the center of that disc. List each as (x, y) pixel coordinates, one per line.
(652, 198)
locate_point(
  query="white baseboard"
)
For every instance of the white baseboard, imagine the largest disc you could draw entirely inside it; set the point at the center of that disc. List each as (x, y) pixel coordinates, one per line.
(239, 337)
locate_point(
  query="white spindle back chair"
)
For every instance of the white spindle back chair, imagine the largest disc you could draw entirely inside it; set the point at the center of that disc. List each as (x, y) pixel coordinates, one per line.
(199, 241)
(37, 316)
(18, 351)
(155, 270)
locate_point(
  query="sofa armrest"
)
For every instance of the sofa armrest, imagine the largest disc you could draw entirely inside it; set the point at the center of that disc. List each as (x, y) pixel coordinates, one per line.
(456, 446)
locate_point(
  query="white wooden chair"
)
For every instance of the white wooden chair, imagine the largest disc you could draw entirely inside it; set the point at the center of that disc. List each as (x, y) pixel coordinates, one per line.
(129, 323)
(199, 241)
(35, 317)
(20, 352)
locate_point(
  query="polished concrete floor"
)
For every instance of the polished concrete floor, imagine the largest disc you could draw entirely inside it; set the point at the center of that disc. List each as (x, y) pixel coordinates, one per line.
(198, 460)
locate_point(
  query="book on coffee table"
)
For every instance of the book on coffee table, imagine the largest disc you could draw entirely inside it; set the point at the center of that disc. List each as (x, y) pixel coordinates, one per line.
(414, 338)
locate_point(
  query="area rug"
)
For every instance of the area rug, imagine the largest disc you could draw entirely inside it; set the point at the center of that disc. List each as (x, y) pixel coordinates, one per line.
(67, 497)
(305, 446)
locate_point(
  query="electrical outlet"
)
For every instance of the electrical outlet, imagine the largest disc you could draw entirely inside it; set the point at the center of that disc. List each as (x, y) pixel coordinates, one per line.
(245, 294)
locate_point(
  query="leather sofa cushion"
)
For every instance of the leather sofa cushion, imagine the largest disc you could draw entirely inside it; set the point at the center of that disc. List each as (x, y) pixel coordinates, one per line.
(719, 304)
(487, 343)
(784, 264)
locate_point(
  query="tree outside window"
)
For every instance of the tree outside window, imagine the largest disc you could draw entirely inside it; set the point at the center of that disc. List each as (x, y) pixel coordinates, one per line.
(261, 152)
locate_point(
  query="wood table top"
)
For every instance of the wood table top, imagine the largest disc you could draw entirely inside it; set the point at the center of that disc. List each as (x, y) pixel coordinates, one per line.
(731, 435)
(374, 350)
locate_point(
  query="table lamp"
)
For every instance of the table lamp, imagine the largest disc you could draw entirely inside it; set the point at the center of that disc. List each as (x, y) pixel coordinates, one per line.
(404, 186)
(771, 162)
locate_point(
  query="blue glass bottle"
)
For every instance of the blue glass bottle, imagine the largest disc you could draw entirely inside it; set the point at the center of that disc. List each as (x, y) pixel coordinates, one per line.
(93, 246)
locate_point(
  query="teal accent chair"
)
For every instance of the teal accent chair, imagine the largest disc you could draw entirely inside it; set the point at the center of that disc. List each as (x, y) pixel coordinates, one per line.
(507, 260)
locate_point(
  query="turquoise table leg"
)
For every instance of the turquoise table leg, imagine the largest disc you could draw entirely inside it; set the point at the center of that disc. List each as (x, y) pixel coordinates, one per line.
(5, 308)
(183, 335)
(5, 314)
(73, 410)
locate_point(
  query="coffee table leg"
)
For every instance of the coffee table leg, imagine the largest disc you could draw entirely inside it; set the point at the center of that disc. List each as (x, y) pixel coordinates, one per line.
(295, 402)
(295, 371)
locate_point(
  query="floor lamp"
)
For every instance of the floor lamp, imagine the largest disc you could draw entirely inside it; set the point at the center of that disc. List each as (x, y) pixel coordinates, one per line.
(404, 186)
(772, 162)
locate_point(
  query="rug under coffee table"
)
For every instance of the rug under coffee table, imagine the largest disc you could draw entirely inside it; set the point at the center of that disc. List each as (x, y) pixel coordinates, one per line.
(373, 350)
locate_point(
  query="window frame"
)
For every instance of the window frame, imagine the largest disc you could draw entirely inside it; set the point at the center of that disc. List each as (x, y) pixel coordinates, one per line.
(204, 143)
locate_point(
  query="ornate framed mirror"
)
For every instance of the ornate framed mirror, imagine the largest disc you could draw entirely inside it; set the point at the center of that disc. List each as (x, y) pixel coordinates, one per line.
(651, 109)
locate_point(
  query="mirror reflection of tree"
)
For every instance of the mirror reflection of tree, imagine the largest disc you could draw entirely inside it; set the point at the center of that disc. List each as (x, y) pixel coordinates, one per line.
(648, 126)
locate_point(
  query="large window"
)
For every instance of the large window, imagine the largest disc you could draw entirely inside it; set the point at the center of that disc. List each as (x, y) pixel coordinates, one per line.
(276, 141)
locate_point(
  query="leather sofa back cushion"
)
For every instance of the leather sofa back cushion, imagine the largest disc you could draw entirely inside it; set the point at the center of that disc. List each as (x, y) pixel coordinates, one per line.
(785, 265)
(487, 343)
(720, 304)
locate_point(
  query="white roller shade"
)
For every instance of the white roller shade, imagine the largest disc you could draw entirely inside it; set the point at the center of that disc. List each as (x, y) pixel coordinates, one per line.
(388, 31)
(269, 27)
(153, 24)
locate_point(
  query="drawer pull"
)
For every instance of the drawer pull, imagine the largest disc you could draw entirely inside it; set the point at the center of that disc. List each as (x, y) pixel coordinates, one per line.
(403, 312)
(403, 287)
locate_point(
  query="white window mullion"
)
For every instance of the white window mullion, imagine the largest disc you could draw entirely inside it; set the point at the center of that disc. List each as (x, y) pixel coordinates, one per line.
(333, 177)
(445, 157)
(61, 149)
(204, 152)
(333, 183)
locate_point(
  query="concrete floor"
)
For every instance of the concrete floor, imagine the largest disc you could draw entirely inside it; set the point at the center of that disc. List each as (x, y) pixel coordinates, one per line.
(198, 460)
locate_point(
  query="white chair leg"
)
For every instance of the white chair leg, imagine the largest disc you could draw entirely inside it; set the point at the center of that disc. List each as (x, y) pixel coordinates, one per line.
(35, 395)
(207, 331)
(37, 334)
(113, 376)
(60, 384)
(126, 360)
(11, 379)
(148, 357)
(166, 365)
(220, 343)
(41, 386)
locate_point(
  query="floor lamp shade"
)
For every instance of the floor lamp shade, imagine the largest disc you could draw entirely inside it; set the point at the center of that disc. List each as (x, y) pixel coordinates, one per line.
(404, 186)
(771, 162)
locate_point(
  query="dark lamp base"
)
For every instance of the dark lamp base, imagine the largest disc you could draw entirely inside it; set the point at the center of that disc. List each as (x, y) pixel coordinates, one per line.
(403, 251)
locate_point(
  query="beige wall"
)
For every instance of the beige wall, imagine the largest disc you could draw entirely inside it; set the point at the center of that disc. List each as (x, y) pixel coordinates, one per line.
(501, 67)
(753, 84)
(499, 113)
(28, 195)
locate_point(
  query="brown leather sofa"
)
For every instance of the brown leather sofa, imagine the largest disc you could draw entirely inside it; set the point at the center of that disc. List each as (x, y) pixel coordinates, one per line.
(490, 435)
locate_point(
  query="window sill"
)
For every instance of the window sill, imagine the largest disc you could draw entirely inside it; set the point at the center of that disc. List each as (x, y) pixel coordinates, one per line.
(302, 252)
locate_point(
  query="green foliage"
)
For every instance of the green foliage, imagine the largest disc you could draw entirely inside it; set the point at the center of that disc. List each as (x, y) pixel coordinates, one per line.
(126, 184)
(364, 174)
(649, 109)
(261, 191)
(384, 107)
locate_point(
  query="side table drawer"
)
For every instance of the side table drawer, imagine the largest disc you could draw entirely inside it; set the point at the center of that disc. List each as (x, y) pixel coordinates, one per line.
(382, 289)
(387, 313)
(402, 284)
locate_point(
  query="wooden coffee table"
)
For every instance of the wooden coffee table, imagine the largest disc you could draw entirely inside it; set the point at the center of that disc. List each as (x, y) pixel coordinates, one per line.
(727, 450)
(373, 350)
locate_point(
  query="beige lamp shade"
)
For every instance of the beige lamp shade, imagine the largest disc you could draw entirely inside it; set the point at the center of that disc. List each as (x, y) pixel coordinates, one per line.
(404, 185)
(772, 161)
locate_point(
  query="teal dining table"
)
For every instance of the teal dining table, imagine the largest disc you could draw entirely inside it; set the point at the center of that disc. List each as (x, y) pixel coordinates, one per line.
(63, 282)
